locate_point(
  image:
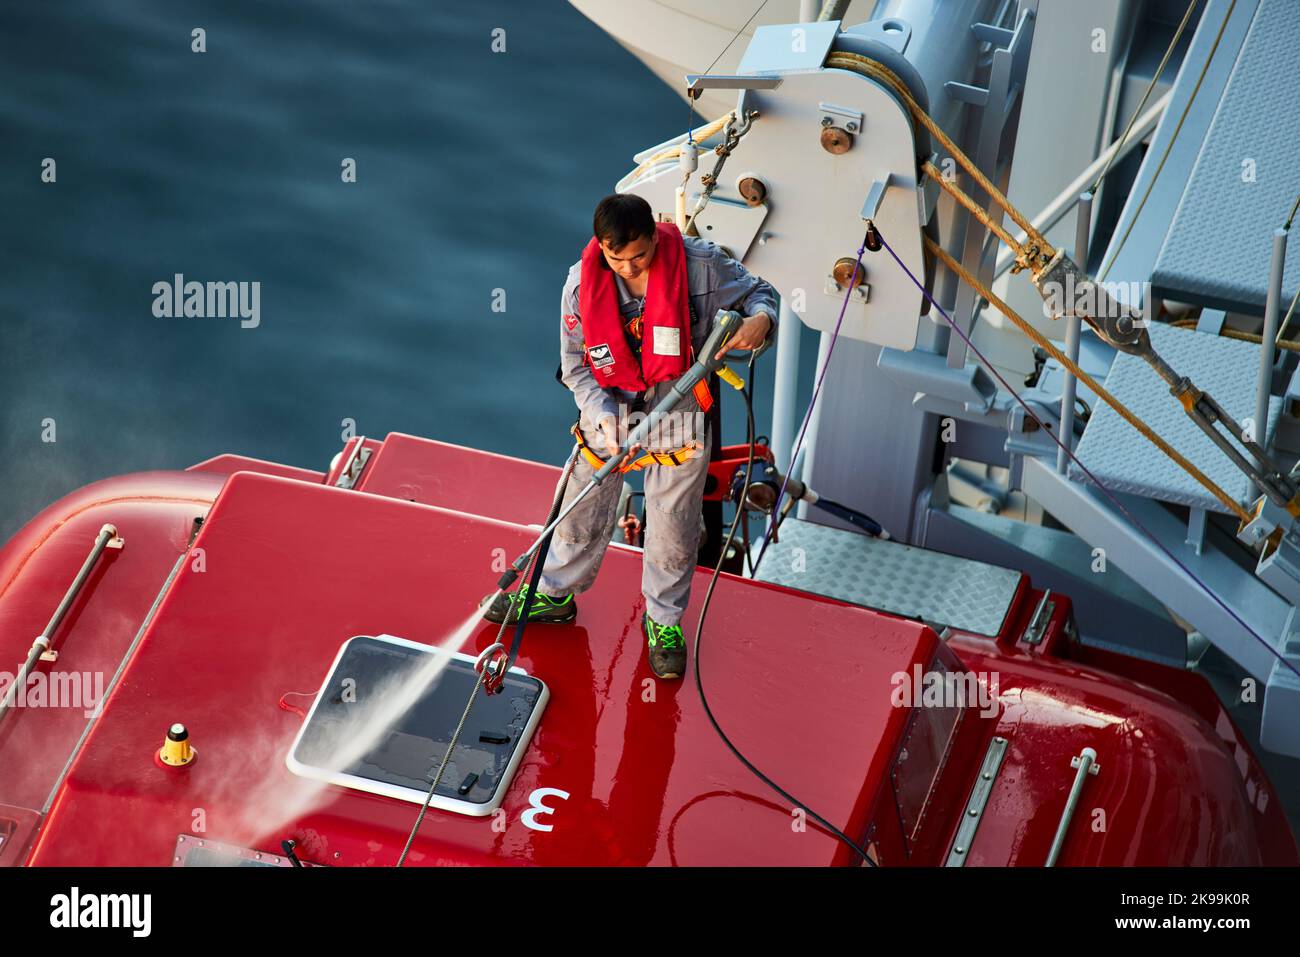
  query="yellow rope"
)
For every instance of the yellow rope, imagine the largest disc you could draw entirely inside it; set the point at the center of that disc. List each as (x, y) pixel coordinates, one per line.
(1238, 334)
(861, 64)
(1164, 61)
(976, 210)
(1119, 407)
(703, 133)
(1287, 321)
(1169, 147)
(1036, 246)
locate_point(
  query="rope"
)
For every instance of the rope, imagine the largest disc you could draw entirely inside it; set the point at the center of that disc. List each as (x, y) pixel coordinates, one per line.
(743, 26)
(833, 10)
(976, 210)
(1100, 390)
(821, 376)
(877, 71)
(1147, 95)
(690, 102)
(1238, 334)
(482, 675)
(437, 778)
(871, 68)
(671, 152)
(1106, 492)
(862, 852)
(1169, 147)
(1287, 321)
(1290, 309)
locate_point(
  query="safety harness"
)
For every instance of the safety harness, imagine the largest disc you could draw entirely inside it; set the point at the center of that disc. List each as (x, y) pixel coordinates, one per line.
(676, 457)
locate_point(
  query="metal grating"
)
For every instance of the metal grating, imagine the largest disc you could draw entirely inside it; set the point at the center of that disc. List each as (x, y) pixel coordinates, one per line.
(1245, 178)
(1126, 462)
(942, 590)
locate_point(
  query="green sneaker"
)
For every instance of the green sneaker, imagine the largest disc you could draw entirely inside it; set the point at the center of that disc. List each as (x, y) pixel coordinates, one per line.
(545, 608)
(667, 648)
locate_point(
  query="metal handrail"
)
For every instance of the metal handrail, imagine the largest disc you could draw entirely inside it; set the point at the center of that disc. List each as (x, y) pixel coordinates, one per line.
(112, 682)
(1086, 762)
(107, 538)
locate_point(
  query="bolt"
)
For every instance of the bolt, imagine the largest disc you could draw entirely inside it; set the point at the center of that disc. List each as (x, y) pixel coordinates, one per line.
(835, 140)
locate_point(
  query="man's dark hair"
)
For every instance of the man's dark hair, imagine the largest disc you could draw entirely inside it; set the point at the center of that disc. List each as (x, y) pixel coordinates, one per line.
(622, 218)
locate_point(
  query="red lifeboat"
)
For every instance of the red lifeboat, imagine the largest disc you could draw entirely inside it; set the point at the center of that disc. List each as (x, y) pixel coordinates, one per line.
(228, 625)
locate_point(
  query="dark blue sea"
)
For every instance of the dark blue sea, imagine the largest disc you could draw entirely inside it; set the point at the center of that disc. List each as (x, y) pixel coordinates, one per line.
(476, 171)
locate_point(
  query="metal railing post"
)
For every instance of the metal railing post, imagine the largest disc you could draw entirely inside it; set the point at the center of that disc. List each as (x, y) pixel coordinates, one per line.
(1267, 348)
(1072, 327)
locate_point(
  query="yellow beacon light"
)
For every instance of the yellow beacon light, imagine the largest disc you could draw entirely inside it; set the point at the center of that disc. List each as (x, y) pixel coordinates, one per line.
(176, 750)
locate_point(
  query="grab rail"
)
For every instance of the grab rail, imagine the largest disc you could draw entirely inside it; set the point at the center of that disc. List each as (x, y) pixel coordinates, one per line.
(1087, 764)
(107, 538)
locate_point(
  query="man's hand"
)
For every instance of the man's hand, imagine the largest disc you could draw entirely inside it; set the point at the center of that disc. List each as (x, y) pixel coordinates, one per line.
(609, 436)
(753, 332)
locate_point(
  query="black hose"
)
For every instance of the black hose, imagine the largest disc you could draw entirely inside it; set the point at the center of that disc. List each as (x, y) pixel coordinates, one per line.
(699, 630)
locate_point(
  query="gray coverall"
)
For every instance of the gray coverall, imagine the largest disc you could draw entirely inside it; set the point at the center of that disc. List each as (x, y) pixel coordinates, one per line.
(673, 493)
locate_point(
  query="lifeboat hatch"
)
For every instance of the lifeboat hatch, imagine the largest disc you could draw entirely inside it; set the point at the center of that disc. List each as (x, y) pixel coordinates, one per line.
(387, 711)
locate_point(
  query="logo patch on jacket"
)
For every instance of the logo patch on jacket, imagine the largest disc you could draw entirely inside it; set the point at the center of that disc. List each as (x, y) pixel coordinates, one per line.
(600, 356)
(570, 322)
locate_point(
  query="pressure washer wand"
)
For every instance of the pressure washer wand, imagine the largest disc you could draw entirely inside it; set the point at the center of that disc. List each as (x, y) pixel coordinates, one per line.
(725, 325)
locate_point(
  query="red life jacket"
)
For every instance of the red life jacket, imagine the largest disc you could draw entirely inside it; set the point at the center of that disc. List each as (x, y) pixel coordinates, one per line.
(665, 321)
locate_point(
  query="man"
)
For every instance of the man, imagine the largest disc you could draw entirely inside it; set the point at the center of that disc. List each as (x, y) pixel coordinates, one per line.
(640, 292)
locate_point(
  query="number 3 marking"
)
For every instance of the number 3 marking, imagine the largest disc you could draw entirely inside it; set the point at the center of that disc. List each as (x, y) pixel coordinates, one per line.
(529, 817)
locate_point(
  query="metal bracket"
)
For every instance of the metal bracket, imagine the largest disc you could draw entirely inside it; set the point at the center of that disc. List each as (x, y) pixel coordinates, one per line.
(773, 48)
(697, 82)
(850, 118)
(974, 95)
(355, 464)
(999, 37)
(1196, 523)
(732, 225)
(1279, 565)
(979, 798)
(861, 292)
(1093, 767)
(875, 196)
(1265, 521)
(1038, 622)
